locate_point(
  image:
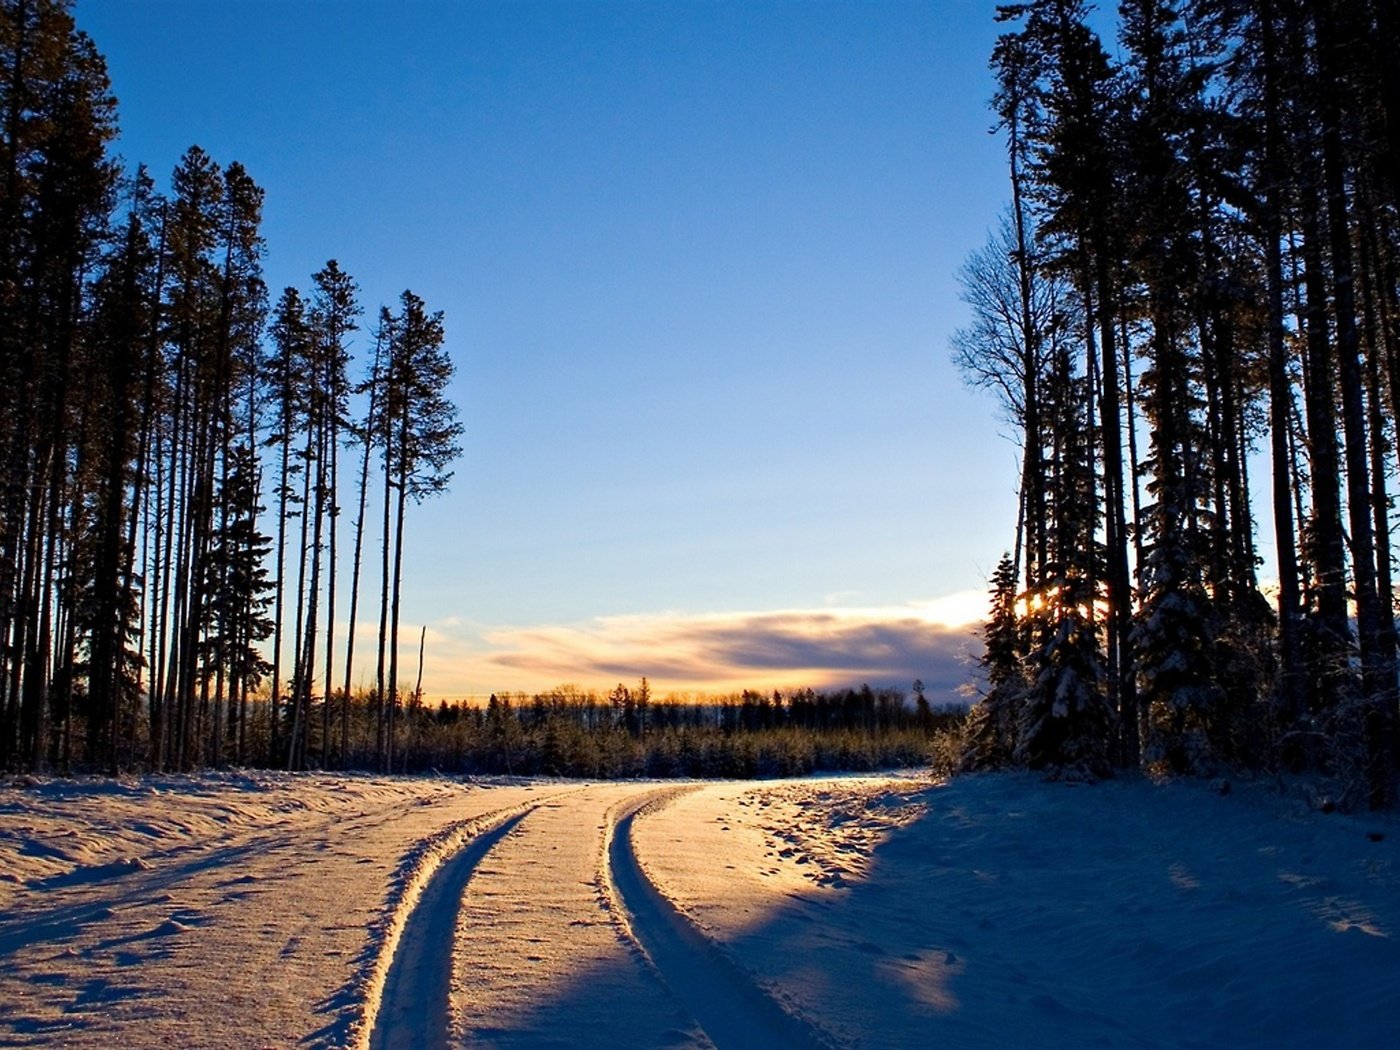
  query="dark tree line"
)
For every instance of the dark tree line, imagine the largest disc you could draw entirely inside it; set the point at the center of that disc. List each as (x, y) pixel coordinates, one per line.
(169, 458)
(628, 733)
(1199, 275)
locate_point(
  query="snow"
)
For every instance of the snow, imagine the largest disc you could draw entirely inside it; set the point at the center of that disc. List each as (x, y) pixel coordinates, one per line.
(252, 910)
(1002, 911)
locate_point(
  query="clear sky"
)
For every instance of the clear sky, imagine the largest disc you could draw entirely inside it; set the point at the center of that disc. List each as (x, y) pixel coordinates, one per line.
(696, 260)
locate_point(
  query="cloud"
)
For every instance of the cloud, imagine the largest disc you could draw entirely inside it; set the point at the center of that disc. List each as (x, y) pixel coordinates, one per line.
(821, 648)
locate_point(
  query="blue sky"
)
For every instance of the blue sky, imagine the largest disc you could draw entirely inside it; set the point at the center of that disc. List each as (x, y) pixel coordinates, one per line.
(696, 260)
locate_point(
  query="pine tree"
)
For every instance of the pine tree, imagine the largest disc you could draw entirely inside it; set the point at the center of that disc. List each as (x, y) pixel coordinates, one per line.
(108, 619)
(1066, 725)
(241, 319)
(1017, 68)
(333, 313)
(421, 431)
(1075, 181)
(236, 616)
(989, 739)
(1177, 620)
(366, 434)
(286, 380)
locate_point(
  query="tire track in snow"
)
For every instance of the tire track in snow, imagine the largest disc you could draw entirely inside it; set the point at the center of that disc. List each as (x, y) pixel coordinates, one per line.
(414, 1007)
(406, 991)
(541, 961)
(725, 999)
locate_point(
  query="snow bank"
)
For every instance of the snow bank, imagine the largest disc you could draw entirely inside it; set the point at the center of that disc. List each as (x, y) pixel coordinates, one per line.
(1002, 911)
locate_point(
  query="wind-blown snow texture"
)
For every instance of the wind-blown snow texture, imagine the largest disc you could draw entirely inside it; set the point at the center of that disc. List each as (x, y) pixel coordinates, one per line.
(251, 910)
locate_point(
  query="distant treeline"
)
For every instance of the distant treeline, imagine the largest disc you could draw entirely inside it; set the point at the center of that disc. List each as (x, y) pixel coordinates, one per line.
(626, 733)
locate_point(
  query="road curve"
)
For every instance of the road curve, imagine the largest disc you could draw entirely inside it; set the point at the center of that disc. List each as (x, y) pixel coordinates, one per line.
(725, 1000)
(538, 927)
(406, 991)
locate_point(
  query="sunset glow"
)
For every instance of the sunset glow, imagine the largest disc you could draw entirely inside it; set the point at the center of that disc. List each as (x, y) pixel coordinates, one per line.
(715, 653)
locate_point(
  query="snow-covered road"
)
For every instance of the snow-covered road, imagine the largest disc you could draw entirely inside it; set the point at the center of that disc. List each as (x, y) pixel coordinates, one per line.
(322, 911)
(534, 956)
(265, 910)
(543, 931)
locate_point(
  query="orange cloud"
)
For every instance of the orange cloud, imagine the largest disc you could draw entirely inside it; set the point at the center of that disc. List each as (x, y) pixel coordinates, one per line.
(714, 652)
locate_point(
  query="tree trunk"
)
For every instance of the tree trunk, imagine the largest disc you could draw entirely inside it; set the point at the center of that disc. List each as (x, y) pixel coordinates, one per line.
(359, 548)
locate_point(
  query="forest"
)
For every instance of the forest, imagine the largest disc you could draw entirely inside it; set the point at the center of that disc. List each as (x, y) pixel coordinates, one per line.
(171, 449)
(1192, 304)
(1189, 315)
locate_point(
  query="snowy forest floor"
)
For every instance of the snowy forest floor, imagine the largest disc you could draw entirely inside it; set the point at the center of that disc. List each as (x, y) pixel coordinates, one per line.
(268, 910)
